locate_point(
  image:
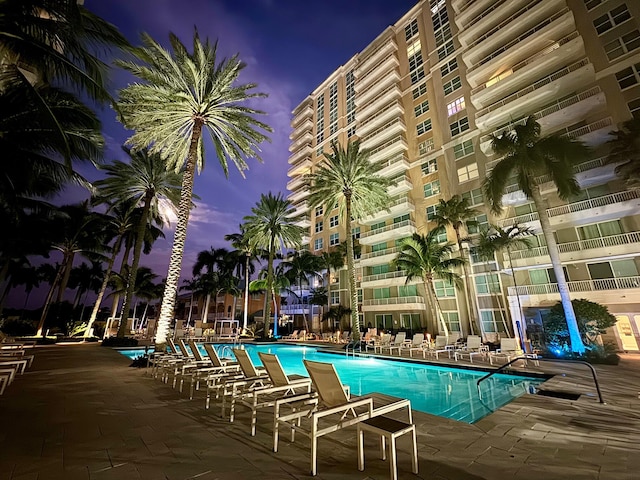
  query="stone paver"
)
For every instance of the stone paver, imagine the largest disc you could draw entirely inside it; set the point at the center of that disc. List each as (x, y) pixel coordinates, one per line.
(81, 413)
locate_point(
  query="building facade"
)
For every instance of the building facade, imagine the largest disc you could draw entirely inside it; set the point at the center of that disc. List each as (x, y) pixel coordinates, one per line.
(424, 98)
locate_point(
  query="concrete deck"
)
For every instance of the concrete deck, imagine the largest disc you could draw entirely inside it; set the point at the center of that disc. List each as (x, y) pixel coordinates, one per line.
(80, 412)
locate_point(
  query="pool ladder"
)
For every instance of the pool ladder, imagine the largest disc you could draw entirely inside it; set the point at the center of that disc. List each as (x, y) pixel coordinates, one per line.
(557, 360)
(354, 346)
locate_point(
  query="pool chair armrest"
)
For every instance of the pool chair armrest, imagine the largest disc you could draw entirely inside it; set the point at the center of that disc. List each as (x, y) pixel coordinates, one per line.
(362, 402)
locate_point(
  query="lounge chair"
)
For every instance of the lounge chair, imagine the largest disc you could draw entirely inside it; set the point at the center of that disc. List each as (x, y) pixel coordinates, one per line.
(251, 379)
(510, 349)
(292, 336)
(7, 376)
(416, 341)
(397, 343)
(441, 346)
(473, 347)
(425, 347)
(335, 409)
(383, 341)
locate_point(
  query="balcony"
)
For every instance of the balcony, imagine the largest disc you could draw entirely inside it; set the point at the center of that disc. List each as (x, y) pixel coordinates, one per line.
(402, 185)
(380, 134)
(303, 151)
(398, 207)
(390, 279)
(599, 209)
(388, 95)
(379, 257)
(594, 248)
(393, 304)
(474, 24)
(299, 209)
(302, 112)
(542, 92)
(593, 134)
(376, 73)
(552, 116)
(300, 168)
(295, 183)
(306, 138)
(393, 166)
(298, 195)
(306, 125)
(364, 95)
(304, 221)
(606, 290)
(517, 49)
(473, 10)
(388, 232)
(389, 148)
(369, 62)
(370, 123)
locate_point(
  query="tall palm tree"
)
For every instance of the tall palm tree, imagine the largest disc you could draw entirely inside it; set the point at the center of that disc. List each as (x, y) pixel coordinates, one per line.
(272, 227)
(332, 260)
(185, 95)
(625, 151)
(458, 213)
(300, 267)
(144, 182)
(421, 256)
(190, 285)
(247, 254)
(279, 286)
(216, 263)
(347, 178)
(527, 156)
(496, 239)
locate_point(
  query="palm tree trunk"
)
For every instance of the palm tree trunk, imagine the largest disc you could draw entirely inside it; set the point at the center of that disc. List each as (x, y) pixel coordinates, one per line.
(275, 312)
(245, 317)
(133, 271)
(577, 345)
(355, 318)
(47, 302)
(468, 294)
(267, 308)
(205, 311)
(515, 286)
(67, 264)
(177, 251)
(190, 310)
(437, 311)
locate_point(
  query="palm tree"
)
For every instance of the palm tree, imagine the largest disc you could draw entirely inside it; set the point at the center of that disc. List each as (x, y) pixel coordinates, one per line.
(347, 178)
(280, 284)
(336, 314)
(333, 260)
(318, 296)
(298, 268)
(192, 287)
(421, 256)
(272, 227)
(216, 263)
(625, 151)
(526, 156)
(185, 95)
(145, 182)
(495, 239)
(457, 213)
(246, 254)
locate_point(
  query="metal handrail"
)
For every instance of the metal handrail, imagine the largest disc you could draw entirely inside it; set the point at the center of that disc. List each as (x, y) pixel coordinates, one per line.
(501, 368)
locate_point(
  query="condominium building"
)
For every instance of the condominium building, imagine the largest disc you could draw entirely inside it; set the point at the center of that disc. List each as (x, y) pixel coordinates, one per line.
(424, 98)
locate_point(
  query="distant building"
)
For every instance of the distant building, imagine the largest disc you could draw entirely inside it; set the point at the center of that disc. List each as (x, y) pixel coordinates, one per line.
(425, 95)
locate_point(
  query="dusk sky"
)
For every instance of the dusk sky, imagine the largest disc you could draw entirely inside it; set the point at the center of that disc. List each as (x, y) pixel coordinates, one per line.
(289, 46)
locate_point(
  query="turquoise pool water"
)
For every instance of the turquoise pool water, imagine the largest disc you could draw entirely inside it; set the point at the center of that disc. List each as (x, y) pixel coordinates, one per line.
(447, 392)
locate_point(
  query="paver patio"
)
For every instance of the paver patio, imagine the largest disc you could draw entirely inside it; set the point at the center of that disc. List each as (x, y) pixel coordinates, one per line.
(81, 413)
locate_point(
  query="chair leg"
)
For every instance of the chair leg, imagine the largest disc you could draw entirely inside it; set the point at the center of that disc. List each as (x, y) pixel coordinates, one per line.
(414, 451)
(392, 458)
(383, 447)
(360, 449)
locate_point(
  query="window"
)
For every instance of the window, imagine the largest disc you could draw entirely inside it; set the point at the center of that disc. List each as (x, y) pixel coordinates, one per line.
(425, 147)
(439, 18)
(333, 221)
(481, 223)
(407, 291)
(422, 108)
(431, 212)
(424, 127)
(624, 44)
(446, 50)
(444, 289)
(319, 226)
(319, 211)
(414, 53)
(452, 319)
(443, 35)
(355, 233)
(319, 151)
(591, 4)
(463, 149)
(400, 241)
(410, 321)
(474, 196)
(351, 132)
(401, 218)
(612, 269)
(629, 76)
(334, 239)
(460, 126)
(335, 298)
(384, 321)
(492, 321)
(441, 235)
(379, 293)
(449, 67)
(378, 226)
(318, 244)
(378, 247)
(431, 188)
(452, 85)
(411, 30)
(634, 108)
(477, 258)
(419, 91)
(468, 172)
(487, 284)
(429, 167)
(456, 106)
(417, 75)
(600, 230)
(612, 18)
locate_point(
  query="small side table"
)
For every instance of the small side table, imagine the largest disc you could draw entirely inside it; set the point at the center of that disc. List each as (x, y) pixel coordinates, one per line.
(388, 429)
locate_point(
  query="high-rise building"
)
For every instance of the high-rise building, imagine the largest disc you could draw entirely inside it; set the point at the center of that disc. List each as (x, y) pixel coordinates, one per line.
(424, 98)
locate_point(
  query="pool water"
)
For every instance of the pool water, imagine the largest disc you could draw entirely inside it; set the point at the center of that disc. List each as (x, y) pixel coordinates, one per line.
(443, 391)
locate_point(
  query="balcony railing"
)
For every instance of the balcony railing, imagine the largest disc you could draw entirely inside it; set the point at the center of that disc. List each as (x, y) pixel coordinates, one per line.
(388, 228)
(600, 242)
(379, 113)
(486, 12)
(579, 286)
(384, 276)
(393, 301)
(592, 127)
(379, 130)
(532, 88)
(380, 253)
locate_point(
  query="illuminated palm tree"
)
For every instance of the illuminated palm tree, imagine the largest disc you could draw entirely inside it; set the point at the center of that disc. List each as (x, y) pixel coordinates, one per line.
(298, 268)
(186, 95)
(247, 254)
(527, 157)
(421, 256)
(347, 178)
(272, 227)
(333, 260)
(216, 263)
(625, 151)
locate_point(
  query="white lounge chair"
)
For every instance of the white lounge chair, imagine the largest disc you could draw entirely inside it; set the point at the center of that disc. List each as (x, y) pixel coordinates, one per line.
(251, 379)
(473, 348)
(382, 342)
(416, 341)
(397, 344)
(441, 346)
(509, 349)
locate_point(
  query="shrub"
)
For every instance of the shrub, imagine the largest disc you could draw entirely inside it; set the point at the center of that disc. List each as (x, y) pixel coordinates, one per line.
(593, 319)
(119, 342)
(17, 328)
(139, 362)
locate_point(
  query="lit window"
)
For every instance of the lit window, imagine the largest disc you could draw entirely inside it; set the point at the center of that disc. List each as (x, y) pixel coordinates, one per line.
(422, 108)
(414, 49)
(452, 85)
(456, 106)
(319, 226)
(624, 44)
(432, 188)
(468, 172)
(459, 126)
(424, 127)
(333, 221)
(318, 244)
(429, 167)
(629, 76)
(463, 149)
(334, 239)
(612, 18)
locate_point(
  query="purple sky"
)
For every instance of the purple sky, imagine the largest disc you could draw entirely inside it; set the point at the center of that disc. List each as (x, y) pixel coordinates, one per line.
(289, 46)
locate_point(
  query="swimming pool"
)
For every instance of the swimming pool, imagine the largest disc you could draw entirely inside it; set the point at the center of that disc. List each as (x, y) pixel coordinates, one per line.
(443, 391)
